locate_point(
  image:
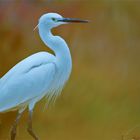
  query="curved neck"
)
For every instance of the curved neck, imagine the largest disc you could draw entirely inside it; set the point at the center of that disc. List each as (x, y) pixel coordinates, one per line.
(55, 43)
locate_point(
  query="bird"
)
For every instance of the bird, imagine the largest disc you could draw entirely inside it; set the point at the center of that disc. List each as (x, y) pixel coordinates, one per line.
(41, 75)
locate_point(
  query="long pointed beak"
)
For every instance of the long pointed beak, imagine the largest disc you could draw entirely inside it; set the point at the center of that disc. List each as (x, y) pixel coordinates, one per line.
(76, 20)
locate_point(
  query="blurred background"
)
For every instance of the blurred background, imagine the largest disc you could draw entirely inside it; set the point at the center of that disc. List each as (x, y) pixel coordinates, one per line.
(101, 101)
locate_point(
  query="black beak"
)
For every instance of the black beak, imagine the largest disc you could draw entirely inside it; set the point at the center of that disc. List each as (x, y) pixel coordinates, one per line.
(76, 20)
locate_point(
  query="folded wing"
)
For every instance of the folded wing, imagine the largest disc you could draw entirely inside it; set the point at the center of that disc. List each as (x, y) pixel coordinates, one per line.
(31, 81)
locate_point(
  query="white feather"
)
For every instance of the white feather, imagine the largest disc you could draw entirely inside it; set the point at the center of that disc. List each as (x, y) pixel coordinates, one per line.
(39, 75)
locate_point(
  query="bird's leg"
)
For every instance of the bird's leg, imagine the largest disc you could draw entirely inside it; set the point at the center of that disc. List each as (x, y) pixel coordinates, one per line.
(30, 130)
(14, 127)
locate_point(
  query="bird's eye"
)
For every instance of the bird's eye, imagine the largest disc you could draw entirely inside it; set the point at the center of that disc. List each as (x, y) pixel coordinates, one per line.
(54, 19)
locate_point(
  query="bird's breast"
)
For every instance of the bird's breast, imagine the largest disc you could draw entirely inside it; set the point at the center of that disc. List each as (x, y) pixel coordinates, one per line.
(64, 70)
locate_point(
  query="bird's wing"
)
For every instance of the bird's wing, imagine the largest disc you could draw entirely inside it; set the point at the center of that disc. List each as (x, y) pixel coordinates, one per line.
(26, 64)
(22, 86)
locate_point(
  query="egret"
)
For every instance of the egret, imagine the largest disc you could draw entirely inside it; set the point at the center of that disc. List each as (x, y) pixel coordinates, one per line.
(39, 75)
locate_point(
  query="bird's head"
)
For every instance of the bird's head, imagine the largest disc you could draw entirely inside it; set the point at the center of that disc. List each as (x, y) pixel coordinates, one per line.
(51, 20)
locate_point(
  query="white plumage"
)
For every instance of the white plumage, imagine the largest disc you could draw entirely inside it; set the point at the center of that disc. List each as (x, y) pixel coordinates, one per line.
(27, 81)
(39, 75)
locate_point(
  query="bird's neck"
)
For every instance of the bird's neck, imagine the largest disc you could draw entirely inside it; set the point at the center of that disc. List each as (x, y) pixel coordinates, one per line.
(55, 43)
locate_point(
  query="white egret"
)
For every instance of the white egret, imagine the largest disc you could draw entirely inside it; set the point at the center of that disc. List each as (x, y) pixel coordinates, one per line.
(39, 75)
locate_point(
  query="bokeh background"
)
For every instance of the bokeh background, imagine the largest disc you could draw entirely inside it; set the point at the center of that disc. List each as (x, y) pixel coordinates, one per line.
(101, 101)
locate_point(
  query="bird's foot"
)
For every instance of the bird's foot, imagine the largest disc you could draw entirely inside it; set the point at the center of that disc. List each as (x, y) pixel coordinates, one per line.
(32, 133)
(13, 133)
